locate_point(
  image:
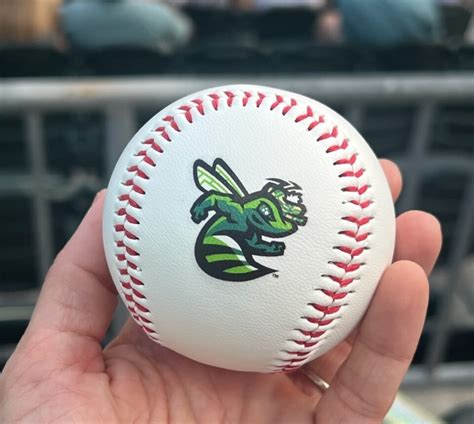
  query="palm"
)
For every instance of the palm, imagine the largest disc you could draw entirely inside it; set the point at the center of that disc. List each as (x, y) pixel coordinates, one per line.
(134, 381)
(184, 390)
(60, 373)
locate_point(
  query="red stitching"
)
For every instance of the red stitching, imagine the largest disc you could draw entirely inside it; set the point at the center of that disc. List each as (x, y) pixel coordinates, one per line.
(131, 236)
(297, 353)
(306, 344)
(172, 122)
(279, 99)
(140, 307)
(138, 189)
(337, 147)
(332, 134)
(132, 265)
(156, 147)
(215, 101)
(356, 174)
(348, 267)
(362, 205)
(318, 321)
(230, 97)
(187, 113)
(336, 295)
(135, 296)
(131, 251)
(346, 161)
(312, 333)
(325, 309)
(360, 190)
(163, 133)
(359, 221)
(309, 113)
(131, 219)
(138, 172)
(355, 235)
(286, 109)
(352, 252)
(341, 281)
(199, 106)
(136, 281)
(246, 99)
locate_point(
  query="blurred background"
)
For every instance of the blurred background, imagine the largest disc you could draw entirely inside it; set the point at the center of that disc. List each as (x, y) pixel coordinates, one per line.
(79, 77)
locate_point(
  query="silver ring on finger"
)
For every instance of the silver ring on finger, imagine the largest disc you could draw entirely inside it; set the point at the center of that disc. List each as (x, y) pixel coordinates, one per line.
(318, 381)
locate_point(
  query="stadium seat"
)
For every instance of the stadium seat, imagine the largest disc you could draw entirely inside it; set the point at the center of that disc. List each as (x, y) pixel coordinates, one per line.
(219, 58)
(459, 346)
(415, 58)
(77, 136)
(33, 61)
(388, 129)
(17, 262)
(466, 58)
(219, 24)
(125, 61)
(451, 187)
(455, 21)
(453, 130)
(10, 334)
(311, 57)
(12, 143)
(286, 23)
(68, 214)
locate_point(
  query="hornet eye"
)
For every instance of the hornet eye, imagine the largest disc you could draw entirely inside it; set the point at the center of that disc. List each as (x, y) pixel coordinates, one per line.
(266, 212)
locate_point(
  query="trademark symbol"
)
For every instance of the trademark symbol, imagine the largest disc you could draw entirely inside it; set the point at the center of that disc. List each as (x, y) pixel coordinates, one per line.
(275, 275)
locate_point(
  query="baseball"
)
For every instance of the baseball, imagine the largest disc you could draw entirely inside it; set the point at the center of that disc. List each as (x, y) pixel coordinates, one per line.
(247, 227)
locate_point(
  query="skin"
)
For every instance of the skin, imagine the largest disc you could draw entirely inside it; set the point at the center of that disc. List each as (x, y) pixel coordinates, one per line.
(60, 373)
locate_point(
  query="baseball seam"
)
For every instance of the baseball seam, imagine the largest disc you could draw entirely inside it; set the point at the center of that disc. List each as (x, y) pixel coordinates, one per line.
(330, 297)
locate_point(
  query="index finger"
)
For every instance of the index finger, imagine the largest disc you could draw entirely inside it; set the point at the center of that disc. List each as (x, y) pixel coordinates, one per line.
(366, 384)
(78, 296)
(394, 177)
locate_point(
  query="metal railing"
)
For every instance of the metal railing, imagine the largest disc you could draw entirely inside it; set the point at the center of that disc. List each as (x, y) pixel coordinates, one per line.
(120, 98)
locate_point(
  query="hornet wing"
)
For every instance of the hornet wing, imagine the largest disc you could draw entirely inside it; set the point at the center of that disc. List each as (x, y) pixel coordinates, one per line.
(218, 178)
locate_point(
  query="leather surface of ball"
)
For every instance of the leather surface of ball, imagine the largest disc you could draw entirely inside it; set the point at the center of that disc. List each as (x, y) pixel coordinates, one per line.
(247, 227)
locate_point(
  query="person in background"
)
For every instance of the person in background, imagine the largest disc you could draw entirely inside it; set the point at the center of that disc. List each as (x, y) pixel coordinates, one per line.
(29, 22)
(470, 32)
(384, 23)
(328, 28)
(221, 4)
(269, 4)
(458, 19)
(256, 5)
(95, 24)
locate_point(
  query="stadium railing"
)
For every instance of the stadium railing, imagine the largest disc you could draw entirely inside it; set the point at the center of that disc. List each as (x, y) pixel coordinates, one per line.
(358, 97)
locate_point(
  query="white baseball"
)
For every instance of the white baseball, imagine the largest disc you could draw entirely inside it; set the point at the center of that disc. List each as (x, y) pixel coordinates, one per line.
(247, 227)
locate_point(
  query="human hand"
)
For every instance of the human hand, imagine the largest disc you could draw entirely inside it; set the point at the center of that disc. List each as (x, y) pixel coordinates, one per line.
(60, 372)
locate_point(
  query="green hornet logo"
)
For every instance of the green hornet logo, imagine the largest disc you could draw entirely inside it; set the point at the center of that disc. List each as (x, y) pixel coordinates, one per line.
(226, 246)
